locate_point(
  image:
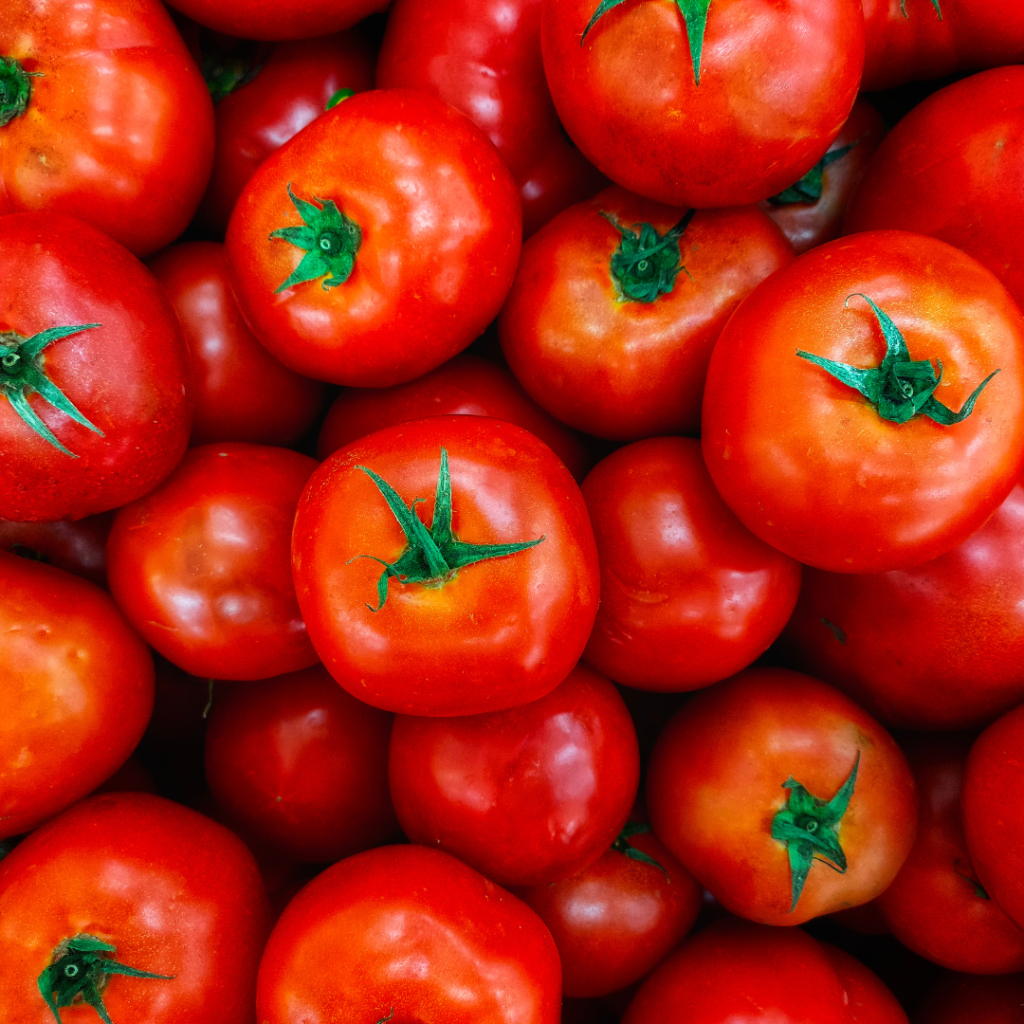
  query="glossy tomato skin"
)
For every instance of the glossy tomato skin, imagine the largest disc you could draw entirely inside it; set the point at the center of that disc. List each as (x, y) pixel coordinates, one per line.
(501, 632)
(119, 127)
(867, 1001)
(78, 546)
(130, 377)
(628, 99)
(291, 89)
(242, 392)
(257, 19)
(76, 696)
(413, 932)
(440, 236)
(484, 59)
(201, 566)
(716, 779)
(953, 168)
(807, 464)
(174, 892)
(298, 762)
(528, 795)
(626, 370)
(688, 594)
(464, 386)
(935, 647)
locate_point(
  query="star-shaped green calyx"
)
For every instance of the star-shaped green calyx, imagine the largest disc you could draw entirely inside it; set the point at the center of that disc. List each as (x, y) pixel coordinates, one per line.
(809, 188)
(646, 263)
(695, 19)
(900, 387)
(15, 89)
(809, 827)
(935, 4)
(623, 845)
(80, 972)
(22, 372)
(330, 239)
(432, 557)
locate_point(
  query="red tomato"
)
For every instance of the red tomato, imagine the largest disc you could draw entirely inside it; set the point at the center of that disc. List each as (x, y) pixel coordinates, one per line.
(136, 879)
(77, 693)
(688, 594)
(83, 321)
(867, 1000)
(296, 19)
(242, 392)
(616, 307)
(78, 546)
(752, 102)
(377, 243)
(412, 934)
(968, 999)
(528, 795)
(782, 796)
(487, 636)
(118, 126)
(302, 765)
(201, 567)
(808, 463)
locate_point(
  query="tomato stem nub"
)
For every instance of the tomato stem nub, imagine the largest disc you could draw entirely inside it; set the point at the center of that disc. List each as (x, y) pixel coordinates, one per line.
(622, 845)
(809, 188)
(646, 263)
(15, 89)
(935, 4)
(432, 557)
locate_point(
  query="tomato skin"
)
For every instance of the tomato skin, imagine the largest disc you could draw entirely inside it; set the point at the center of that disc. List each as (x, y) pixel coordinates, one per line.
(807, 464)
(627, 370)
(77, 693)
(688, 594)
(172, 890)
(119, 128)
(967, 998)
(441, 233)
(78, 546)
(412, 931)
(503, 632)
(257, 19)
(867, 1001)
(201, 568)
(715, 783)
(242, 392)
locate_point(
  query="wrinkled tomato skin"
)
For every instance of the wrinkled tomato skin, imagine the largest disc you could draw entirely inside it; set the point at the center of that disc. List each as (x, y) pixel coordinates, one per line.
(119, 127)
(298, 19)
(77, 546)
(412, 932)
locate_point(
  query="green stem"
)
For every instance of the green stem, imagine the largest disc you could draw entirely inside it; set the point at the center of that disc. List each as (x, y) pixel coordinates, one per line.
(15, 89)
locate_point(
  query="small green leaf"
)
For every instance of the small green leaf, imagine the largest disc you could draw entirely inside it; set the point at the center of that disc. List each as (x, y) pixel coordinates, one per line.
(341, 94)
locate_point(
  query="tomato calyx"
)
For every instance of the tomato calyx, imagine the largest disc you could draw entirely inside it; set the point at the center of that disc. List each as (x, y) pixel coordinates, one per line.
(80, 972)
(899, 387)
(935, 4)
(331, 241)
(622, 845)
(338, 97)
(21, 371)
(432, 557)
(979, 889)
(646, 263)
(226, 69)
(809, 188)
(695, 19)
(810, 826)
(15, 89)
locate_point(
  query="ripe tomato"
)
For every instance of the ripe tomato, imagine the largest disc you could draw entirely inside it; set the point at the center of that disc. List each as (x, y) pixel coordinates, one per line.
(78, 546)
(297, 19)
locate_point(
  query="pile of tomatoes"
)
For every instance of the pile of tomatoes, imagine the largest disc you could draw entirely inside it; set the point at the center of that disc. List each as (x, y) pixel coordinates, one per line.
(511, 511)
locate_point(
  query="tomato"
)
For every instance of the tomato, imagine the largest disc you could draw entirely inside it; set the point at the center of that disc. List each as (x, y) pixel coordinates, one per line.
(617, 303)
(782, 797)
(378, 242)
(297, 19)
(484, 59)
(966, 999)
(953, 168)
(242, 392)
(407, 630)
(302, 765)
(410, 933)
(808, 463)
(867, 999)
(938, 646)
(155, 887)
(201, 567)
(77, 693)
(688, 594)
(104, 116)
(95, 388)
(78, 546)
(751, 104)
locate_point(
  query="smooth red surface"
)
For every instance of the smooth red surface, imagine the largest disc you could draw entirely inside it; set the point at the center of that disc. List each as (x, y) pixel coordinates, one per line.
(175, 892)
(301, 764)
(968, 999)
(201, 565)
(242, 392)
(119, 128)
(807, 463)
(77, 691)
(500, 633)
(528, 795)
(441, 231)
(688, 594)
(867, 1000)
(297, 19)
(78, 546)
(411, 932)
(626, 370)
